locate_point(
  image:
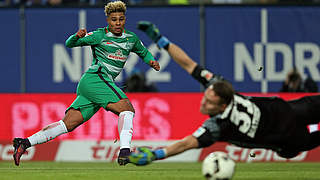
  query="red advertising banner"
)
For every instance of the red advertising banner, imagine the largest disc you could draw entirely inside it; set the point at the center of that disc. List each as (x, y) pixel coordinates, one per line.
(107, 151)
(159, 116)
(262, 155)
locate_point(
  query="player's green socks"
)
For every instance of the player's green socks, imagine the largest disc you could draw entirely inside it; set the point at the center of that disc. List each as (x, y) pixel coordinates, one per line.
(154, 34)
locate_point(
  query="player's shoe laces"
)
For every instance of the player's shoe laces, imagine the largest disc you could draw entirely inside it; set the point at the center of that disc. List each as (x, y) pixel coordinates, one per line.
(123, 156)
(20, 145)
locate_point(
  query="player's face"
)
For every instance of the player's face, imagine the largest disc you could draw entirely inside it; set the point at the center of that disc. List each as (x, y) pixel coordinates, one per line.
(210, 103)
(116, 22)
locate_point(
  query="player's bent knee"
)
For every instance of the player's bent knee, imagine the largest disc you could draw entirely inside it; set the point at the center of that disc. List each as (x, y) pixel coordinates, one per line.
(120, 106)
(129, 106)
(73, 119)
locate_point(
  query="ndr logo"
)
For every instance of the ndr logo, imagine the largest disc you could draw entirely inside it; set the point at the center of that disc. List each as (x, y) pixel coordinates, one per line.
(277, 59)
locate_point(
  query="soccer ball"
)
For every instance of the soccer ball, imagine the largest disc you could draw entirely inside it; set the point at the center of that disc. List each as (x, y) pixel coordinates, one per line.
(218, 166)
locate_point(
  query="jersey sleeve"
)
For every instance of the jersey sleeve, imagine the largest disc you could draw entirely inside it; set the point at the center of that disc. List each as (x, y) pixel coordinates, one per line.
(208, 133)
(92, 38)
(142, 52)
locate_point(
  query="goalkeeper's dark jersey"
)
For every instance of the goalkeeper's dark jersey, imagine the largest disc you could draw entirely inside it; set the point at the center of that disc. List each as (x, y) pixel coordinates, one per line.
(252, 122)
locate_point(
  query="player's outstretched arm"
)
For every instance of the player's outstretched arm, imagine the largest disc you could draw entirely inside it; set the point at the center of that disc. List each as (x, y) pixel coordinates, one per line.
(201, 74)
(145, 156)
(189, 142)
(181, 58)
(178, 55)
(72, 40)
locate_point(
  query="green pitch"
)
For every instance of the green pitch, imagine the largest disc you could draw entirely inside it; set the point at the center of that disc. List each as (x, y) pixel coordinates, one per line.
(155, 171)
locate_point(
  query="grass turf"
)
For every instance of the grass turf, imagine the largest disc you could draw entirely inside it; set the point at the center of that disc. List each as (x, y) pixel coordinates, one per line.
(155, 171)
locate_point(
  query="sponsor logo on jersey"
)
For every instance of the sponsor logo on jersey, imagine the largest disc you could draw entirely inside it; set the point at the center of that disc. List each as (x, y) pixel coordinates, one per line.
(199, 132)
(117, 55)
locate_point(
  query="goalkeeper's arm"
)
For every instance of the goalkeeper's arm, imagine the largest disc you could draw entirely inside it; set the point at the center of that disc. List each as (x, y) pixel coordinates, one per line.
(145, 156)
(204, 76)
(189, 142)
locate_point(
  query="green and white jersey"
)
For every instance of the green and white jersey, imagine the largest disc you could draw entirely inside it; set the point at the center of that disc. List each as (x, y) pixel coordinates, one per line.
(110, 52)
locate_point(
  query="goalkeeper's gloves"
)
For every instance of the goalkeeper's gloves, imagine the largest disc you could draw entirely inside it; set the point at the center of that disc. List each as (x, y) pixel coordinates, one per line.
(153, 32)
(145, 156)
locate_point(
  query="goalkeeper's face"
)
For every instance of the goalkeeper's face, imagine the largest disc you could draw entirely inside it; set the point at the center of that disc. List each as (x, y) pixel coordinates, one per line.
(116, 22)
(211, 104)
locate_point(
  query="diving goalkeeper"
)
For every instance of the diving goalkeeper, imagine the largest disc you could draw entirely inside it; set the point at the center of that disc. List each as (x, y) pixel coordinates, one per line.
(250, 122)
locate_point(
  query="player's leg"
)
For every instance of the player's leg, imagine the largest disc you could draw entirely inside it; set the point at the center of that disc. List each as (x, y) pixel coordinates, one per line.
(307, 112)
(301, 141)
(307, 109)
(80, 111)
(72, 119)
(113, 99)
(125, 111)
(314, 141)
(305, 140)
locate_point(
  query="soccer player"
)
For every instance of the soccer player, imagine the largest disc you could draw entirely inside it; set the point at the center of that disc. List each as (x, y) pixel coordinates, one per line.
(110, 48)
(250, 122)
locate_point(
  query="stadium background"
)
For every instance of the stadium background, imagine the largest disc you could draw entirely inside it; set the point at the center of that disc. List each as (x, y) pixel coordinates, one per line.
(39, 74)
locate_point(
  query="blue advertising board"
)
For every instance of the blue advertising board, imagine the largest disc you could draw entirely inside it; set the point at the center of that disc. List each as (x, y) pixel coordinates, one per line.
(239, 40)
(54, 68)
(10, 51)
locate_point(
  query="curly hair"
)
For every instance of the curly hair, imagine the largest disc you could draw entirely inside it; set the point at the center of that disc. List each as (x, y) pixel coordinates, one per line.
(116, 6)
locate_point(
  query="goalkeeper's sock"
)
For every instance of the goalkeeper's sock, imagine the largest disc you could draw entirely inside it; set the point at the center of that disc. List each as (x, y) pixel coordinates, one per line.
(48, 133)
(125, 128)
(160, 153)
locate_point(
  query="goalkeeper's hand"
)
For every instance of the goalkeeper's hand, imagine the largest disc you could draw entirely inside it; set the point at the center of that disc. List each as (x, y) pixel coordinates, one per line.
(145, 156)
(153, 32)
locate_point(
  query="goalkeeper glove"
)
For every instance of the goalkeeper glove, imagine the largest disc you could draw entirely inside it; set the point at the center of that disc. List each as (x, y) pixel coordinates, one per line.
(145, 156)
(153, 32)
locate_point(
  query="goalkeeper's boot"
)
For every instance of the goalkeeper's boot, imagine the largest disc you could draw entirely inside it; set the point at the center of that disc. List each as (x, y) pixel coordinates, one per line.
(20, 145)
(123, 158)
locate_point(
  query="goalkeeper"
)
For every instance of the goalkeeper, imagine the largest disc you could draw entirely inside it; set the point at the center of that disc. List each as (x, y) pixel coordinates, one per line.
(250, 122)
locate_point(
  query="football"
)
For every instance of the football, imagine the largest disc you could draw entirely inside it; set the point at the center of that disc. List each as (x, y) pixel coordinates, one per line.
(217, 166)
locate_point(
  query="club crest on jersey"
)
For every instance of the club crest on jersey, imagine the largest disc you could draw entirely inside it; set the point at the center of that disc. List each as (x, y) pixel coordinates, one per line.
(117, 55)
